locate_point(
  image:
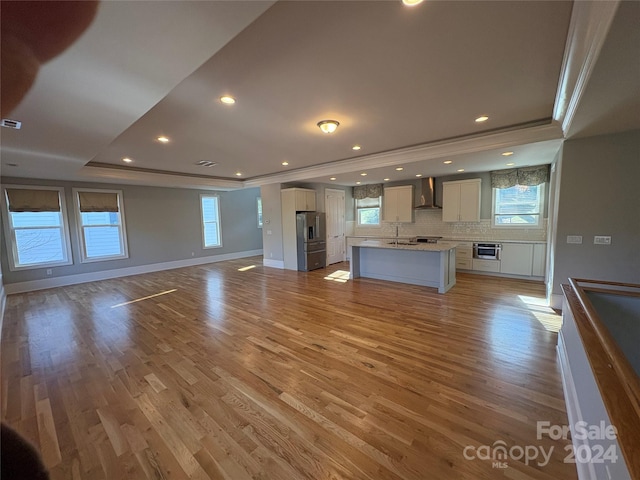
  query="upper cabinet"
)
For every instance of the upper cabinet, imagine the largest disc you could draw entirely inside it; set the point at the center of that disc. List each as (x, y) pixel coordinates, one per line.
(304, 199)
(461, 201)
(397, 204)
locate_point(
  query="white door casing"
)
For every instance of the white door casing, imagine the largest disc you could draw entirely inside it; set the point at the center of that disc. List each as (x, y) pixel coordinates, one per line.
(334, 206)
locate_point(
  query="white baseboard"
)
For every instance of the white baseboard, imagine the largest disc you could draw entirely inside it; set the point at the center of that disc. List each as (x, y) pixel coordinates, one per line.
(267, 262)
(32, 285)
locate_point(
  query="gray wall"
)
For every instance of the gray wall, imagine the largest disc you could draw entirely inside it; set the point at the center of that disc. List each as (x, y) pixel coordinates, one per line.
(599, 195)
(163, 224)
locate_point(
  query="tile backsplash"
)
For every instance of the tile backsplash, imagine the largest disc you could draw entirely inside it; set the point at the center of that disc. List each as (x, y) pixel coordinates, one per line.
(429, 222)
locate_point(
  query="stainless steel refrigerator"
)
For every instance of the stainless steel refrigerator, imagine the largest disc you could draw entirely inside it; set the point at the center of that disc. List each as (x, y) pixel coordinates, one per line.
(312, 242)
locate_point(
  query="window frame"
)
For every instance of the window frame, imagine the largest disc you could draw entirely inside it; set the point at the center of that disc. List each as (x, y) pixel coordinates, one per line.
(122, 227)
(11, 244)
(202, 222)
(541, 205)
(259, 207)
(373, 225)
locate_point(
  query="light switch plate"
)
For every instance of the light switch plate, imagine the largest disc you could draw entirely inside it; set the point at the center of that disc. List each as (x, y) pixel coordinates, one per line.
(574, 239)
(601, 240)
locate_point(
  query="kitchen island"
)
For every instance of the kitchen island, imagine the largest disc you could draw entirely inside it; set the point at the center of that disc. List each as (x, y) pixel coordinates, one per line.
(426, 264)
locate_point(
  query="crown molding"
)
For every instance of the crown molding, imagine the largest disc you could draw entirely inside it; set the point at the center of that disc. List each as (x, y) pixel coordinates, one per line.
(588, 29)
(434, 150)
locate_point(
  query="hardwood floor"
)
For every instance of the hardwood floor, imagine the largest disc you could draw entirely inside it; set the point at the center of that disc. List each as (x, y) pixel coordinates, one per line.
(212, 372)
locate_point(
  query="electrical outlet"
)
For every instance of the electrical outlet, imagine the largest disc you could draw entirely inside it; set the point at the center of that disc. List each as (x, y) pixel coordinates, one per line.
(49, 271)
(577, 239)
(601, 240)
(269, 232)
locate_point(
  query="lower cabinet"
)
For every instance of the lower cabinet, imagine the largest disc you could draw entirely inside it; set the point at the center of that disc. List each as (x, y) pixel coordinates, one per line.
(464, 256)
(482, 265)
(539, 260)
(516, 258)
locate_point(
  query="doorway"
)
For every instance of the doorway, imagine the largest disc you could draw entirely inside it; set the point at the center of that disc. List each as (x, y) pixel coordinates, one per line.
(334, 207)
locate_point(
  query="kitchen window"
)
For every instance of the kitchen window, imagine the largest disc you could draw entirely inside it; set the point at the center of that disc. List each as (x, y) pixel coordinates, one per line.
(210, 214)
(520, 206)
(368, 211)
(101, 225)
(36, 227)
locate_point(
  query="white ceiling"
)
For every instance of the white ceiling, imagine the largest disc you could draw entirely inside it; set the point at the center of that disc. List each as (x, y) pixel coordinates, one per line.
(405, 83)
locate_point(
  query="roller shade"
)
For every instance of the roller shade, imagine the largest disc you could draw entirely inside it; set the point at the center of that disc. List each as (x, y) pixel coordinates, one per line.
(30, 200)
(98, 202)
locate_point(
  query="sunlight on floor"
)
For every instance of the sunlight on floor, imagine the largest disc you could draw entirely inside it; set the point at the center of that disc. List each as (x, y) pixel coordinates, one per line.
(549, 319)
(244, 269)
(341, 276)
(144, 298)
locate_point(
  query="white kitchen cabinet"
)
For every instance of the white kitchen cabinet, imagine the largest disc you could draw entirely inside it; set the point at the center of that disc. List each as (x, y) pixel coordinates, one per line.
(516, 258)
(482, 265)
(461, 201)
(305, 199)
(464, 256)
(293, 200)
(539, 259)
(397, 204)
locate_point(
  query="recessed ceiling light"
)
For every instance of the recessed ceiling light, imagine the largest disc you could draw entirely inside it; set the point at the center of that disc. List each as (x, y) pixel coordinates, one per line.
(163, 139)
(363, 174)
(418, 174)
(510, 164)
(507, 154)
(127, 160)
(356, 147)
(461, 169)
(328, 126)
(285, 163)
(399, 169)
(386, 179)
(448, 162)
(357, 183)
(332, 178)
(482, 118)
(238, 174)
(411, 3)
(227, 99)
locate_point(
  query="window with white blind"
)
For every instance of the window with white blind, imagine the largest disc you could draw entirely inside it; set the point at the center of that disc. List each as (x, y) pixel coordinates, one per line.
(210, 214)
(368, 211)
(101, 226)
(36, 227)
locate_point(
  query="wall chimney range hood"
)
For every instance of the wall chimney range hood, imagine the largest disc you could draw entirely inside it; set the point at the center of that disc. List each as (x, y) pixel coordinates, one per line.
(427, 194)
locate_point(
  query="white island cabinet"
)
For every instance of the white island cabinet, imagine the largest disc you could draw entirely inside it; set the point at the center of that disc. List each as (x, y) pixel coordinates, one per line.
(430, 265)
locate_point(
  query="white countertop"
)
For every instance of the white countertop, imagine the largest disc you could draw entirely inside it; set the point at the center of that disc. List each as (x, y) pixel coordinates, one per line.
(441, 246)
(381, 237)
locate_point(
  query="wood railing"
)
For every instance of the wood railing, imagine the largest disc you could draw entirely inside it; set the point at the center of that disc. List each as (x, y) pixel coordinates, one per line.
(617, 381)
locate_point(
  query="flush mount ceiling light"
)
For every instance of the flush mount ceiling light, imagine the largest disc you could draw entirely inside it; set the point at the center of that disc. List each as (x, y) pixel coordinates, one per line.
(227, 100)
(163, 139)
(448, 162)
(411, 3)
(482, 118)
(127, 160)
(507, 154)
(328, 126)
(356, 147)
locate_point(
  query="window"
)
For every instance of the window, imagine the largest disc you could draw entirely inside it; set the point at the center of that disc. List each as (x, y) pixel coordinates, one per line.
(368, 211)
(259, 212)
(210, 209)
(519, 206)
(36, 227)
(101, 226)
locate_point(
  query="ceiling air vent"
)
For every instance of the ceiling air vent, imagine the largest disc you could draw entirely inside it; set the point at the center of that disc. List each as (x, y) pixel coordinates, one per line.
(11, 123)
(206, 163)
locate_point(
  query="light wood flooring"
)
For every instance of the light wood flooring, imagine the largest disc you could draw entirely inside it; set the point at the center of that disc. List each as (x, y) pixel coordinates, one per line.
(213, 372)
